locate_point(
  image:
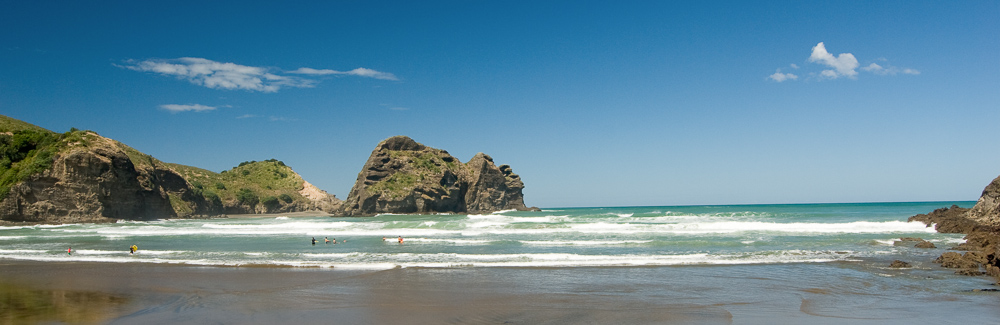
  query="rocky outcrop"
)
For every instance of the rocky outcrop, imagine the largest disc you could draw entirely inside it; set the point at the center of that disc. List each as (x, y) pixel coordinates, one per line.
(986, 212)
(92, 183)
(953, 220)
(899, 264)
(981, 224)
(404, 176)
(80, 176)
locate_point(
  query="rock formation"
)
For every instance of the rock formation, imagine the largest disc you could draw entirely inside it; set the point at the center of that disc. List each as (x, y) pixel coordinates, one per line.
(91, 182)
(899, 264)
(80, 176)
(403, 176)
(981, 224)
(953, 220)
(986, 212)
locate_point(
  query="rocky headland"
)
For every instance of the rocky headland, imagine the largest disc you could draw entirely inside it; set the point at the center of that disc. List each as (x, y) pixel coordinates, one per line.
(981, 226)
(404, 176)
(80, 176)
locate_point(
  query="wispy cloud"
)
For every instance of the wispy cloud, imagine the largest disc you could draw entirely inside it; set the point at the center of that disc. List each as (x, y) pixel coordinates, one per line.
(361, 72)
(246, 116)
(177, 108)
(888, 70)
(841, 65)
(228, 75)
(779, 77)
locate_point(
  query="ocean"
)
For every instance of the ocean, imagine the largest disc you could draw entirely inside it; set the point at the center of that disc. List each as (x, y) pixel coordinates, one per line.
(723, 264)
(563, 237)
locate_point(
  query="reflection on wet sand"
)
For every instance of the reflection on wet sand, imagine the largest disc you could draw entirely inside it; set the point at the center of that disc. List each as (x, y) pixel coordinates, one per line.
(25, 305)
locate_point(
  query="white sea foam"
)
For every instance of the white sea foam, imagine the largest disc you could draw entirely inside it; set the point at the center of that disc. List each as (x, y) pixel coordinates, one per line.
(446, 240)
(887, 242)
(437, 260)
(583, 242)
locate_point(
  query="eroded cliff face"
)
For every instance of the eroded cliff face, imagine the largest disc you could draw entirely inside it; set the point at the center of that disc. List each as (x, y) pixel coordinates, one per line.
(93, 183)
(403, 176)
(97, 179)
(987, 210)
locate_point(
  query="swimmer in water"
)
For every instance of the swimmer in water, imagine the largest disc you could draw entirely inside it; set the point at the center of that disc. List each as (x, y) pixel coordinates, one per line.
(400, 239)
(327, 239)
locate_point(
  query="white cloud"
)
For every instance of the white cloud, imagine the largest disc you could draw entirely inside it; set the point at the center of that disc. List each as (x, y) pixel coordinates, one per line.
(889, 70)
(176, 108)
(843, 65)
(361, 72)
(779, 77)
(227, 75)
(246, 116)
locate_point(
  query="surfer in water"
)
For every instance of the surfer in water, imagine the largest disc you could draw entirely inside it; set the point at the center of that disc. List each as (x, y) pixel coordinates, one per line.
(133, 249)
(314, 241)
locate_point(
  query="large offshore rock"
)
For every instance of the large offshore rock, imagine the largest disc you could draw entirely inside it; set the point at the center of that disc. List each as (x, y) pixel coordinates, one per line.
(404, 176)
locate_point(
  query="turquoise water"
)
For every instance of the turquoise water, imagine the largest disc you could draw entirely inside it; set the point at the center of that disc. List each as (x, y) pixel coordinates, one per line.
(561, 237)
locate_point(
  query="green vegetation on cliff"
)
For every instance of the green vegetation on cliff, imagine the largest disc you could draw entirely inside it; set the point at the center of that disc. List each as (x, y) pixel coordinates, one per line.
(26, 149)
(249, 183)
(149, 188)
(422, 166)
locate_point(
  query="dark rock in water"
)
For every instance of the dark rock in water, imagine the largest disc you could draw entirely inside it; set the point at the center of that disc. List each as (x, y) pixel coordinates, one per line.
(956, 261)
(899, 264)
(970, 272)
(909, 241)
(403, 176)
(953, 220)
(981, 226)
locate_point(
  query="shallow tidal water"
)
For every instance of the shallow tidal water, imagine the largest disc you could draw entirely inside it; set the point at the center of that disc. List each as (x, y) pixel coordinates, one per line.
(751, 264)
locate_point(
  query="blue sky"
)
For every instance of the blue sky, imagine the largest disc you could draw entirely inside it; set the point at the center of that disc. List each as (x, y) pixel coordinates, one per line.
(593, 104)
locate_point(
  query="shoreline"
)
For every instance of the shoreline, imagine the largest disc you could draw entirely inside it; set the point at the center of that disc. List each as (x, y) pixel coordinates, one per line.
(300, 214)
(155, 293)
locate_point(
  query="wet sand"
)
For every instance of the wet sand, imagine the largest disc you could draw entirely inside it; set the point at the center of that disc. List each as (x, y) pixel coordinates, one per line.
(150, 293)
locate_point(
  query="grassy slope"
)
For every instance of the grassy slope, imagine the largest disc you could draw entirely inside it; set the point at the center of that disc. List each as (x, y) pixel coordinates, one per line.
(8, 124)
(270, 178)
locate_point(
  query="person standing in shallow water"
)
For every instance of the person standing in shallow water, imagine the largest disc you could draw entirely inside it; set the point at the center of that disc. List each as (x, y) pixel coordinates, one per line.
(314, 241)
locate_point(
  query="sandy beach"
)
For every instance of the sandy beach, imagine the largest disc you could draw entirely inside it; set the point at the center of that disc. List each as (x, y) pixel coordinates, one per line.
(148, 293)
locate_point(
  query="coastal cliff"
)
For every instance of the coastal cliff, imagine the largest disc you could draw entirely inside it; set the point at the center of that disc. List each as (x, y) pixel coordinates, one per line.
(404, 176)
(80, 176)
(980, 224)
